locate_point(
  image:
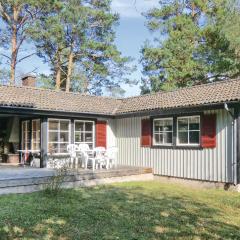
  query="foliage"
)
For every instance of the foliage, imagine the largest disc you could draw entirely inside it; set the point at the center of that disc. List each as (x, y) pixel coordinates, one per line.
(77, 39)
(55, 182)
(45, 81)
(16, 17)
(144, 210)
(4, 76)
(193, 44)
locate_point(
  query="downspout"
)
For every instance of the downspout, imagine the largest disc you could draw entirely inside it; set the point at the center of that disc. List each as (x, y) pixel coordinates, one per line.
(238, 144)
(234, 143)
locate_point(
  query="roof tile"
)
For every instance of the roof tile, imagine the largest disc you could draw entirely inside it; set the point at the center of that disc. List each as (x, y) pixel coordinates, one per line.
(41, 99)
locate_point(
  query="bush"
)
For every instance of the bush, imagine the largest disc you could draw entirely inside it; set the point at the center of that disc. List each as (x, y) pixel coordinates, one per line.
(55, 182)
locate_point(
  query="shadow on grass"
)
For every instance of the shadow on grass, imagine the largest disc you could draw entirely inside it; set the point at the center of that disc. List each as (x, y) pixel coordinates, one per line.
(111, 213)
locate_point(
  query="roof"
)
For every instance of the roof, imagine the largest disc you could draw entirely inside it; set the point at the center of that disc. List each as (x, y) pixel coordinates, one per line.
(51, 100)
(205, 94)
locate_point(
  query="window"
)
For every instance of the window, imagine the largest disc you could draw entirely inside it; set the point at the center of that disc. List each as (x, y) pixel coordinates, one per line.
(84, 132)
(36, 134)
(163, 131)
(58, 135)
(26, 135)
(188, 130)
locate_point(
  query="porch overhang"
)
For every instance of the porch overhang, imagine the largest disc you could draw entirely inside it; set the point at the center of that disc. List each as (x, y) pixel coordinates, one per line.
(51, 113)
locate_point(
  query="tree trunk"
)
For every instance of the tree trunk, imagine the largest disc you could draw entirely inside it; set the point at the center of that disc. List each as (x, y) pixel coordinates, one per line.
(58, 76)
(14, 46)
(69, 72)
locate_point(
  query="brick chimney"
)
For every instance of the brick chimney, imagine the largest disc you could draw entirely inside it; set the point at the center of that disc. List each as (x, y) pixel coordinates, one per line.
(29, 81)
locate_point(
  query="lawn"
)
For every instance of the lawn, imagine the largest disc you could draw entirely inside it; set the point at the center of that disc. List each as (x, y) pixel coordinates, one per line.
(149, 210)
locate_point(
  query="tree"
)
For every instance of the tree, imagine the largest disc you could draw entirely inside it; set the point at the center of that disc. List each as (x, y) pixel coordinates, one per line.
(48, 35)
(17, 16)
(192, 47)
(77, 39)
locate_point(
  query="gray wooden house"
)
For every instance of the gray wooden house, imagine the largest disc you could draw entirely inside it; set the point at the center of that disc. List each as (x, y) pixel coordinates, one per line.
(190, 133)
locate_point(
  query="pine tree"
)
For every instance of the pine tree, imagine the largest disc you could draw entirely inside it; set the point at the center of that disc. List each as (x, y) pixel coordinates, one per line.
(192, 47)
(77, 37)
(17, 16)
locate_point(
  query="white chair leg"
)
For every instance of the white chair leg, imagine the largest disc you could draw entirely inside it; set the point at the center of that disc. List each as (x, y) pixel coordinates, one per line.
(107, 164)
(86, 163)
(93, 164)
(76, 162)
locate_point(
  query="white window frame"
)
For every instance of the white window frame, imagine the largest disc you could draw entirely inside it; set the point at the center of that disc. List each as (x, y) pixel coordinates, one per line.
(26, 141)
(69, 131)
(188, 131)
(32, 134)
(153, 132)
(93, 132)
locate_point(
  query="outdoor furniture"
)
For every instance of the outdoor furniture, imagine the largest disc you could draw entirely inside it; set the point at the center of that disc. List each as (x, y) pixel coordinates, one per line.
(58, 160)
(24, 153)
(84, 150)
(99, 156)
(72, 150)
(35, 161)
(111, 155)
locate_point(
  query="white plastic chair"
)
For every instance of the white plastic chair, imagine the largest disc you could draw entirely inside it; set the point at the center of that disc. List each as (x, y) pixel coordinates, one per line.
(111, 155)
(100, 156)
(72, 150)
(85, 150)
(83, 146)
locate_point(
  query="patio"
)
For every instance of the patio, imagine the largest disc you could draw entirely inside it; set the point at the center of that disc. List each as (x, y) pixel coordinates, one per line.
(26, 179)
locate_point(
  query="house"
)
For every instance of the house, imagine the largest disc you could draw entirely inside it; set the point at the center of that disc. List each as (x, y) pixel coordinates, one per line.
(190, 133)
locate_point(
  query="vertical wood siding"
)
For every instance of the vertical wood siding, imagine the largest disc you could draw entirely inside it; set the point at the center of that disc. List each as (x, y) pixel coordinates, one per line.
(202, 164)
(111, 132)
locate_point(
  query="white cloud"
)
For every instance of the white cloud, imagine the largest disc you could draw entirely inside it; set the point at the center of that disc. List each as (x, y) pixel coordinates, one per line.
(133, 8)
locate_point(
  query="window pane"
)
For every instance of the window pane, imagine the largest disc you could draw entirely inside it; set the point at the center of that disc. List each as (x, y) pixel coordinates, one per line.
(64, 125)
(194, 123)
(38, 136)
(79, 126)
(163, 125)
(183, 137)
(157, 139)
(88, 137)
(79, 137)
(89, 126)
(194, 137)
(38, 124)
(182, 124)
(36, 146)
(63, 148)
(53, 147)
(53, 136)
(53, 125)
(168, 125)
(64, 137)
(34, 126)
(168, 138)
(157, 126)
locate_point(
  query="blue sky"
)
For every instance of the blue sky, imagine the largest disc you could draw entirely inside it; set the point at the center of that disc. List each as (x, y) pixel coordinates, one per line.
(131, 34)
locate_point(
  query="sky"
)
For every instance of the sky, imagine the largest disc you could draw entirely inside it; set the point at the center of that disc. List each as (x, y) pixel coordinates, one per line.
(132, 33)
(130, 36)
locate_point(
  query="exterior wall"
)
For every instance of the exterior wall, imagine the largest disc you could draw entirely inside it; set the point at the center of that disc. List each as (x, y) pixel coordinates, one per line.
(201, 164)
(111, 132)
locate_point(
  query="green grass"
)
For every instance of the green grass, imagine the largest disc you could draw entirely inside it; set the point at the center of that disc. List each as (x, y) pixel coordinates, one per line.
(149, 210)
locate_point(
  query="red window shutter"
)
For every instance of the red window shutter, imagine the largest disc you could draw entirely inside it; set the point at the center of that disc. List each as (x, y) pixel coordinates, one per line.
(101, 134)
(208, 131)
(146, 135)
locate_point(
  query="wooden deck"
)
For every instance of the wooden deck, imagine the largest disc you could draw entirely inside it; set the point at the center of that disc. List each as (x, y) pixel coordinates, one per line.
(23, 180)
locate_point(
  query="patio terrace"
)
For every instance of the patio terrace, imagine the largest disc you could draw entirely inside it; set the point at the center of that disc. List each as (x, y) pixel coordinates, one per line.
(26, 179)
